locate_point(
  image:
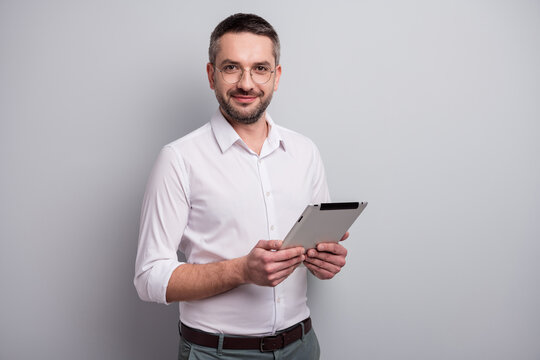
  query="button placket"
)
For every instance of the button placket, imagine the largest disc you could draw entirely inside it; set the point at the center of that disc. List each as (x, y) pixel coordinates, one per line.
(268, 199)
(272, 229)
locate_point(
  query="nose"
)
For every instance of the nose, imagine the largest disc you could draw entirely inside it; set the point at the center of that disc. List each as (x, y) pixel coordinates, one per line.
(246, 82)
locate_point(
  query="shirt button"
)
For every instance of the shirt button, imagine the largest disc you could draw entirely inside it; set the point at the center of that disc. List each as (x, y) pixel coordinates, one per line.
(272, 228)
(268, 193)
(278, 300)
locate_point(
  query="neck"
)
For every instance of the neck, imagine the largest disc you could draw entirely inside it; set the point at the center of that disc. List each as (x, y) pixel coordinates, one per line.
(253, 134)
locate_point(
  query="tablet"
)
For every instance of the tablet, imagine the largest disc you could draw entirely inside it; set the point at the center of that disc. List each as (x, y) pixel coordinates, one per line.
(326, 222)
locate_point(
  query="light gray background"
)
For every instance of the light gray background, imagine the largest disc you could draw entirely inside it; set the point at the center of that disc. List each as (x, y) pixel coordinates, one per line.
(429, 110)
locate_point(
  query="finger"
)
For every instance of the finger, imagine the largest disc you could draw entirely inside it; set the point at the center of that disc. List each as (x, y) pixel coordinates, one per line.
(282, 265)
(334, 248)
(269, 244)
(280, 255)
(279, 276)
(338, 260)
(345, 236)
(286, 254)
(325, 264)
(319, 272)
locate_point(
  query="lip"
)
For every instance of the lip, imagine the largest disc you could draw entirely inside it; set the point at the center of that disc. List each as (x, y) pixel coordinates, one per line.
(244, 99)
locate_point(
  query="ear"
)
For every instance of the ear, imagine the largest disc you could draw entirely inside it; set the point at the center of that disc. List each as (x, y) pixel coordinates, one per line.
(278, 76)
(210, 72)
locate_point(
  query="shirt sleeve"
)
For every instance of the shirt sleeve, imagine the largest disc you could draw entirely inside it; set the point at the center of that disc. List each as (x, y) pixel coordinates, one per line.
(164, 215)
(321, 193)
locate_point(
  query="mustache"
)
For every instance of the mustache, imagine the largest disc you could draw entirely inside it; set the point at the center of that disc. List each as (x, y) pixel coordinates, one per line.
(245, 93)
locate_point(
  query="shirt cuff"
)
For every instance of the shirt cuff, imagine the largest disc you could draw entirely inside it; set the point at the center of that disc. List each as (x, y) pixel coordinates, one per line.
(158, 280)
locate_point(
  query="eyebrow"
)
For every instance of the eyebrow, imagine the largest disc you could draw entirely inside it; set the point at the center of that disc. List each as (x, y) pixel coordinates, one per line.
(229, 61)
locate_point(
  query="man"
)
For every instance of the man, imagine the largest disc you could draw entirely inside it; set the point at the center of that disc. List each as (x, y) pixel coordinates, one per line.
(224, 195)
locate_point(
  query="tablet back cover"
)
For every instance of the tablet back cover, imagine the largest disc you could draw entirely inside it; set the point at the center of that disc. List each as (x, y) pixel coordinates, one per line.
(327, 222)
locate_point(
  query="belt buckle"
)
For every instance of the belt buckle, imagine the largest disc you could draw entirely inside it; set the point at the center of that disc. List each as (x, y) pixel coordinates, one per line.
(261, 344)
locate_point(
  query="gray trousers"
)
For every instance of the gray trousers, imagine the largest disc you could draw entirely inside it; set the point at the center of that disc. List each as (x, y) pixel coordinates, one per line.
(303, 349)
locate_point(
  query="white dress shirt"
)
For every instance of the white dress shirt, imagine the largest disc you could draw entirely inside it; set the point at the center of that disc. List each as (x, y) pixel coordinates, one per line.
(213, 198)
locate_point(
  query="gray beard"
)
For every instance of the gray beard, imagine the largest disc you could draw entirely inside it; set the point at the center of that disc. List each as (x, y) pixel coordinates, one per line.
(243, 118)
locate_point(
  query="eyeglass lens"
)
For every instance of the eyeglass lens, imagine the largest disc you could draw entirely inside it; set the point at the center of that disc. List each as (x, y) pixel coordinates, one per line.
(259, 76)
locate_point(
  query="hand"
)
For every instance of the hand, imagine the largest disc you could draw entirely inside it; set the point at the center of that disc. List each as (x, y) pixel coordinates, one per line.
(269, 268)
(327, 259)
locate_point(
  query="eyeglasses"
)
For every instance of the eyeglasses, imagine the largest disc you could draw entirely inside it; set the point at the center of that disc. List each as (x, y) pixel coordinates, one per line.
(232, 74)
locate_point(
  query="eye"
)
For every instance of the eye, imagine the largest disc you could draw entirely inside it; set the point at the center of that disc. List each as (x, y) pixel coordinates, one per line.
(261, 69)
(230, 68)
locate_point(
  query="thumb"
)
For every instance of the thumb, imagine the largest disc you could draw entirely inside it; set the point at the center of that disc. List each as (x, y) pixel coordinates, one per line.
(269, 244)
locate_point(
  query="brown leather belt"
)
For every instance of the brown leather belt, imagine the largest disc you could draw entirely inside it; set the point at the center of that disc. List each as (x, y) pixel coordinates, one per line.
(266, 343)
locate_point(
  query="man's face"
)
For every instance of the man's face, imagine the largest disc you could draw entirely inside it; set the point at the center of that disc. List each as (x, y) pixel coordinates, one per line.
(246, 101)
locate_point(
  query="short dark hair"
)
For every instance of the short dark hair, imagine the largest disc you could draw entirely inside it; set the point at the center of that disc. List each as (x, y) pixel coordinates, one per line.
(238, 23)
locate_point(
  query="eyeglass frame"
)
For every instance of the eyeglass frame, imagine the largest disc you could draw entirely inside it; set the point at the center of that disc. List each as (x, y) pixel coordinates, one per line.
(242, 74)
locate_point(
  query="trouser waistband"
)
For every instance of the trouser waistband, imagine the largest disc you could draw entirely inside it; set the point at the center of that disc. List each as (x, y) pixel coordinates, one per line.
(263, 343)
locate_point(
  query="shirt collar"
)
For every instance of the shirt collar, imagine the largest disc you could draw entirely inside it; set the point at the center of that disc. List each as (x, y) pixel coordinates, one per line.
(226, 136)
(274, 138)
